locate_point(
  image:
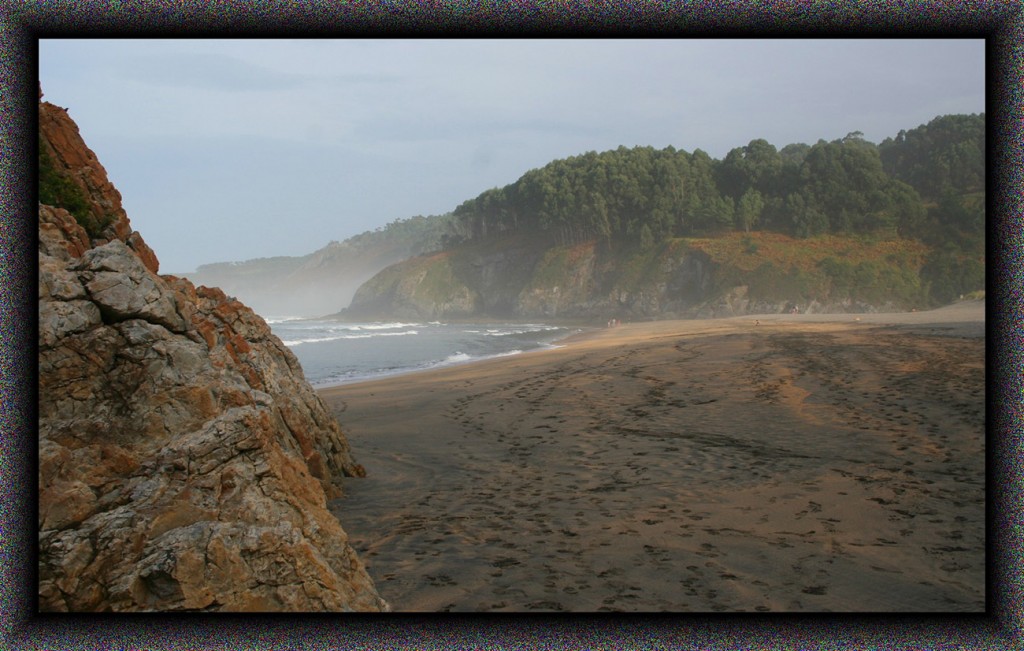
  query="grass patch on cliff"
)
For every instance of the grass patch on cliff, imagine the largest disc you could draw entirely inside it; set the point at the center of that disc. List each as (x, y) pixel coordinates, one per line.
(438, 281)
(558, 265)
(748, 251)
(56, 189)
(640, 268)
(825, 268)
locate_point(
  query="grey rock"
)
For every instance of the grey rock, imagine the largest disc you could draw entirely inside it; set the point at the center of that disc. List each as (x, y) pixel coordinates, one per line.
(123, 288)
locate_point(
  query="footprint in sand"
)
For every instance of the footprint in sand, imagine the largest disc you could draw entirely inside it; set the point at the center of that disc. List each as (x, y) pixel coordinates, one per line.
(545, 605)
(505, 562)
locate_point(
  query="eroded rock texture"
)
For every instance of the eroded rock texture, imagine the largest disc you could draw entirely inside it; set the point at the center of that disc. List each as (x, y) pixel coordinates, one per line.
(184, 461)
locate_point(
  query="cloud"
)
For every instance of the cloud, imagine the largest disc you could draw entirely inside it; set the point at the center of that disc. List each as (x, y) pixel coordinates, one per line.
(206, 71)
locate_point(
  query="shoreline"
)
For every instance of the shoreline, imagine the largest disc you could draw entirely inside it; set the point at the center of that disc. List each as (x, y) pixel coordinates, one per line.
(331, 356)
(760, 463)
(439, 366)
(966, 318)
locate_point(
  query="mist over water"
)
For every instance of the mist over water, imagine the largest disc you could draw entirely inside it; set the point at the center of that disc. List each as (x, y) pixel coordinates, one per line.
(333, 353)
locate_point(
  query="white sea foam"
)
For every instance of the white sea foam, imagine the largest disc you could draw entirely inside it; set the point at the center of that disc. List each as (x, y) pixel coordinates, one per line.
(381, 334)
(384, 326)
(309, 340)
(516, 330)
(461, 358)
(313, 340)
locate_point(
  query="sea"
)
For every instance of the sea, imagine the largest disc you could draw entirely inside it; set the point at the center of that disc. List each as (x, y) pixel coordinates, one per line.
(333, 353)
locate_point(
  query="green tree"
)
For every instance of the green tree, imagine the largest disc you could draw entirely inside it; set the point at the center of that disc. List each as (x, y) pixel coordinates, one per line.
(748, 211)
(845, 179)
(646, 238)
(945, 155)
(948, 273)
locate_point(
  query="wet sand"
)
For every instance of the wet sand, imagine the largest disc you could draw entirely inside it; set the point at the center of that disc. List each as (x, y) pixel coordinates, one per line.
(793, 463)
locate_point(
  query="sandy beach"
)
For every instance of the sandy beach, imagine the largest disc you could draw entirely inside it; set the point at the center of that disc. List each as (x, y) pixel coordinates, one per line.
(784, 463)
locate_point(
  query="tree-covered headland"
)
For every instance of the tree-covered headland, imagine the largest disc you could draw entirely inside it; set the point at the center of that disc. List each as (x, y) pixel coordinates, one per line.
(921, 193)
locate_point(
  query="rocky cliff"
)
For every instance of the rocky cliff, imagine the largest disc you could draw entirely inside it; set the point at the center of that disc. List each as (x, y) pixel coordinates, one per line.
(470, 282)
(681, 278)
(184, 462)
(520, 281)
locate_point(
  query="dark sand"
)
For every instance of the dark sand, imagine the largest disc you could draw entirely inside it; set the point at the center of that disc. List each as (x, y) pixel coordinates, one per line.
(802, 463)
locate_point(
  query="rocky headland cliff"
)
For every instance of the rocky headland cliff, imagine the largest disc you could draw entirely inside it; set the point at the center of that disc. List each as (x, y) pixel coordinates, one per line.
(184, 462)
(517, 278)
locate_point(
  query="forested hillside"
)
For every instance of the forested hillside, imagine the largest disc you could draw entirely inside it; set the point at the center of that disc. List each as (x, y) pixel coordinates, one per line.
(919, 197)
(643, 194)
(945, 163)
(926, 184)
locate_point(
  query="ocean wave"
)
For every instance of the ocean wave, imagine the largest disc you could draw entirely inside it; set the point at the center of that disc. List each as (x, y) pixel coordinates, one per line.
(383, 326)
(309, 340)
(381, 334)
(520, 330)
(289, 324)
(312, 340)
(460, 358)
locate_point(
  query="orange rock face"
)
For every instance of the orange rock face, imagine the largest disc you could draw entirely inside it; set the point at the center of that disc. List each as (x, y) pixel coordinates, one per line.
(184, 461)
(61, 138)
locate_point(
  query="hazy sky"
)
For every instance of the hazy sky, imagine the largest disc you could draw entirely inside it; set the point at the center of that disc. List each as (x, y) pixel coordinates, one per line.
(236, 149)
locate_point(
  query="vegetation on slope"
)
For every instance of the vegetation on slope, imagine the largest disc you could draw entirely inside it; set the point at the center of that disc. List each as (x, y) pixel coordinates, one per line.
(58, 190)
(910, 212)
(417, 235)
(825, 267)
